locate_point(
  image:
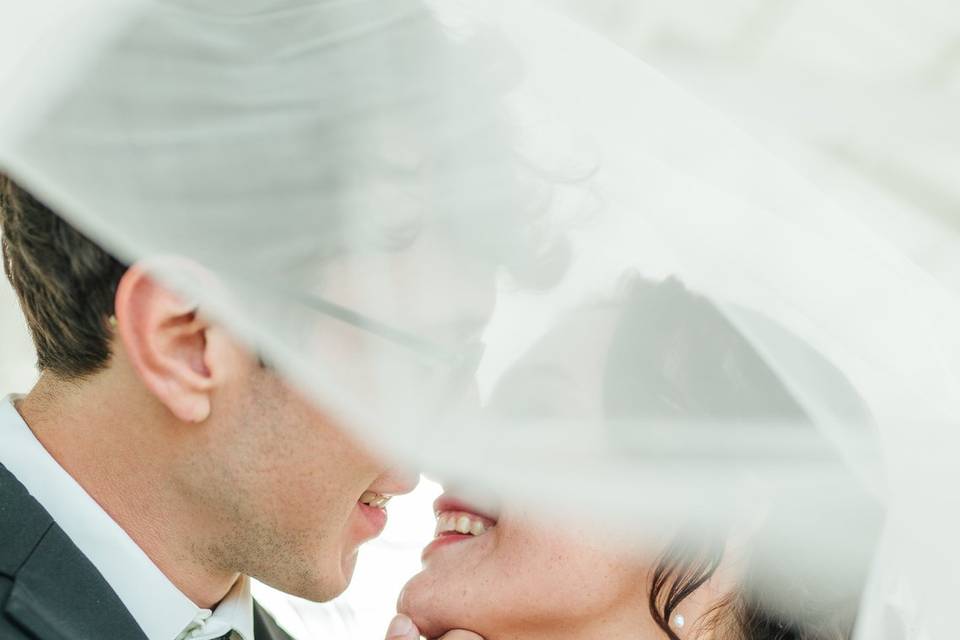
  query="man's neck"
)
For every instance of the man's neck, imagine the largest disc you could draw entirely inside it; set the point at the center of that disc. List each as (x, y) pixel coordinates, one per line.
(115, 443)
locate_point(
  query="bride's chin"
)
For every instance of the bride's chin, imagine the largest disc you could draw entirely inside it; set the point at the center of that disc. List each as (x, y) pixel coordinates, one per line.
(421, 599)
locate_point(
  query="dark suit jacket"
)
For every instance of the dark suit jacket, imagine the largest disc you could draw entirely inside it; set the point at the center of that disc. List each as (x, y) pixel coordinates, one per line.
(50, 591)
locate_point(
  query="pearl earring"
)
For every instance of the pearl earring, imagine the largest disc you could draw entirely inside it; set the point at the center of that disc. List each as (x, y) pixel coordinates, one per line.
(679, 621)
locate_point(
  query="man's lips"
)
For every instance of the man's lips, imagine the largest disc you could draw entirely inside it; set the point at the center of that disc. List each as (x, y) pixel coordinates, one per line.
(374, 520)
(371, 506)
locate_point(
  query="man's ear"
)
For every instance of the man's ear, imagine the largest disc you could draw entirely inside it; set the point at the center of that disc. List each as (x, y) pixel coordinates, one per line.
(166, 343)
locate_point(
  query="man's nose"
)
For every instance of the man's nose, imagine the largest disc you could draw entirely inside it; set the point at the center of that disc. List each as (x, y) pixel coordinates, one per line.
(397, 481)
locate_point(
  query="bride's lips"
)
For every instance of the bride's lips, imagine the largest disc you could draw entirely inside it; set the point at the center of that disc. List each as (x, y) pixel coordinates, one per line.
(457, 521)
(447, 502)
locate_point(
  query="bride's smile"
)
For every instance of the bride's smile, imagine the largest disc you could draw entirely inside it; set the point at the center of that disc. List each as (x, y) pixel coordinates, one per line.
(457, 522)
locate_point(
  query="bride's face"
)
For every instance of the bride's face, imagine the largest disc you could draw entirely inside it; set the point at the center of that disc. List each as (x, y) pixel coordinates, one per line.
(528, 571)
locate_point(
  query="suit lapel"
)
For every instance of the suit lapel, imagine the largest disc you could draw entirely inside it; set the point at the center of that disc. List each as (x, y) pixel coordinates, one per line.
(57, 593)
(265, 627)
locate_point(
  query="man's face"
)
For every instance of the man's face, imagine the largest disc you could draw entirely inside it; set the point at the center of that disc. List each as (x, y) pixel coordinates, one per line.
(290, 478)
(290, 489)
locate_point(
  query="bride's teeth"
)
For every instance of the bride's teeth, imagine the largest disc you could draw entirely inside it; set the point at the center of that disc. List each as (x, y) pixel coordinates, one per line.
(460, 523)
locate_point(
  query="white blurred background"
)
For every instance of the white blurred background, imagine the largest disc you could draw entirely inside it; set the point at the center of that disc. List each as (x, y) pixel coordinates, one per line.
(860, 96)
(17, 369)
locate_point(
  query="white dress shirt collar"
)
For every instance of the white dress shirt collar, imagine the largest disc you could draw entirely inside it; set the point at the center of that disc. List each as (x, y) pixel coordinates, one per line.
(161, 610)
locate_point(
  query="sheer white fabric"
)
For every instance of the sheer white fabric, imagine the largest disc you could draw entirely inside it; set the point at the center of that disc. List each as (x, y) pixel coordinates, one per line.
(365, 190)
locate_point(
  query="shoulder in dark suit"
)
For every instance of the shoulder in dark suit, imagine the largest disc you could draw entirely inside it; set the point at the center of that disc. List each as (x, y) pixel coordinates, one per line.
(50, 591)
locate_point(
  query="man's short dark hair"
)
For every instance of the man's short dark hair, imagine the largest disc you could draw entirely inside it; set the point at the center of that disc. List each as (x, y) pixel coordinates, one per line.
(66, 283)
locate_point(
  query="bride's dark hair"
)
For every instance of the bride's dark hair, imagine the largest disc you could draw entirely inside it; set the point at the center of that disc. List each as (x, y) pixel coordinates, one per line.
(676, 356)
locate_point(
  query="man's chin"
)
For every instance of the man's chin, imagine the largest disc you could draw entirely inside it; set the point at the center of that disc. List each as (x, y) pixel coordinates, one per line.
(347, 566)
(319, 592)
(319, 586)
(328, 585)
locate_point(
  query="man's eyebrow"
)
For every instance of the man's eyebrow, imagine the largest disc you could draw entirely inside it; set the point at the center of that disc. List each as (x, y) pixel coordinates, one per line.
(413, 342)
(463, 329)
(541, 370)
